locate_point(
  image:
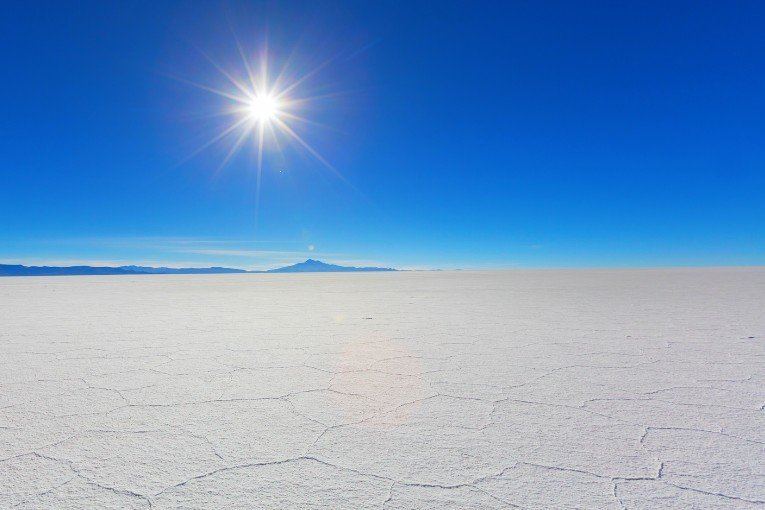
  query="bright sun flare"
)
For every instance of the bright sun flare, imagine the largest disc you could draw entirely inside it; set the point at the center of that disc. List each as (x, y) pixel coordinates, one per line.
(263, 108)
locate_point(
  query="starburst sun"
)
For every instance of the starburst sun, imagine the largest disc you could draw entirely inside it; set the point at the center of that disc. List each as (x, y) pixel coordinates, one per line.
(263, 108)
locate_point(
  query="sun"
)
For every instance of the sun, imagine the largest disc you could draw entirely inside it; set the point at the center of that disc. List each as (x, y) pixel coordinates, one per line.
(263, 108)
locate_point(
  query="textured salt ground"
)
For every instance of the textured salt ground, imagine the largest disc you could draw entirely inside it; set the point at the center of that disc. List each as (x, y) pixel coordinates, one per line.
(523, 389)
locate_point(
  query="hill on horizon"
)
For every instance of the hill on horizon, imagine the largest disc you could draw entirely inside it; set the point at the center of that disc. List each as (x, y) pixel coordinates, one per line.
(317, 266)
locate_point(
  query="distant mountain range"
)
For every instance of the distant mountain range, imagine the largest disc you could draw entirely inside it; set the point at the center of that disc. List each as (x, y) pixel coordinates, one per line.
(309, 266)
(317, 266)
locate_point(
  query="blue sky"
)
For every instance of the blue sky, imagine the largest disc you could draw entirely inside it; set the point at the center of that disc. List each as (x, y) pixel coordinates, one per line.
(468, 134)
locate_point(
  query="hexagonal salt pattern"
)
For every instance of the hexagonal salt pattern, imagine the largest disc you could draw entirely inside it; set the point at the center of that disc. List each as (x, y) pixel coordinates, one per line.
(412, 390)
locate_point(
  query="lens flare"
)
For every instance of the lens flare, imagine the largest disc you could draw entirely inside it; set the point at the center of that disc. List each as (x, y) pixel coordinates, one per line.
(262, 110)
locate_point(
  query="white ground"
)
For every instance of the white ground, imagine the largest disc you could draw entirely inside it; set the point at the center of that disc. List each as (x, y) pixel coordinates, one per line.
(542, 390)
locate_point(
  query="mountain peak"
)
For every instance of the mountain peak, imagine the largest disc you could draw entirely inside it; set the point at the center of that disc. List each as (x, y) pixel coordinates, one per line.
(317, 266)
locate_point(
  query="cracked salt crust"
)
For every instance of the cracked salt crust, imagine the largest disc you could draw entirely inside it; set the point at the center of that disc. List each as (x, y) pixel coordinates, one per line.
(525, 389)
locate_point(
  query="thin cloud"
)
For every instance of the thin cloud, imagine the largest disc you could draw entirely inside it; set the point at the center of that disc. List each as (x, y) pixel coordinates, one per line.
(243, 253)
(157, 241)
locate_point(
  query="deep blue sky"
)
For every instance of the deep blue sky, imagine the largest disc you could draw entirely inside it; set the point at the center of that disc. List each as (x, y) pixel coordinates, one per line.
(471, 134)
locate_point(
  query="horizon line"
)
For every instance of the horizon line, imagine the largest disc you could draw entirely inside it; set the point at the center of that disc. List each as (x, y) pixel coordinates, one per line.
(177, 266)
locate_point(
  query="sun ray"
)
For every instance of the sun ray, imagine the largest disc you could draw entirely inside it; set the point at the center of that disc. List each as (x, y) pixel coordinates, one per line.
(218, 137)
(264, 107)
(207, 88)
(303, 120)
(261, 132)
(245, 60)
(233, 150)
(295, 84)
(310, 149)
(236, 83)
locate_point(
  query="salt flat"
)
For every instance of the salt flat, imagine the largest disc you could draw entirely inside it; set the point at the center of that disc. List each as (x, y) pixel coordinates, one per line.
(521, 389)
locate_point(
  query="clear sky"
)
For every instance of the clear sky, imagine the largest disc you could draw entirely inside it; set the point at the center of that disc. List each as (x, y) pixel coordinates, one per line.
(467, 134)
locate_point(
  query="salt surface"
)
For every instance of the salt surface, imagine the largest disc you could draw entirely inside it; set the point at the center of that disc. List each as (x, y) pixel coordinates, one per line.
(522, 389)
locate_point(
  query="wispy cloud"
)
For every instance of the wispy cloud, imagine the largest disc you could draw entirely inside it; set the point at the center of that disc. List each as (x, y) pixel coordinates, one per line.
(159, 241)
(245, 253)
(359, 262)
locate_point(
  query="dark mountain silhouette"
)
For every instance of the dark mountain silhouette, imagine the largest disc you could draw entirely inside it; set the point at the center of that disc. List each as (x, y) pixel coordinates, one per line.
(19, 270)
(309, 266)
(317, 266)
